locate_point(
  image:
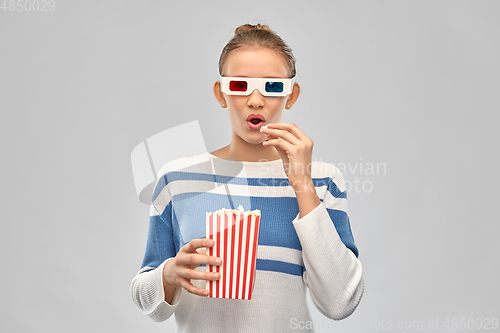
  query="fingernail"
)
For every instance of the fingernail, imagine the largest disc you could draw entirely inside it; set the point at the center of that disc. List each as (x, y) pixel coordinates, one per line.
(216, 275)
(218, 261)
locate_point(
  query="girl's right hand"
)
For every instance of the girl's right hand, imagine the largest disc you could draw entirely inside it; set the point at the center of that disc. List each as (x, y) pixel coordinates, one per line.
(179, 271)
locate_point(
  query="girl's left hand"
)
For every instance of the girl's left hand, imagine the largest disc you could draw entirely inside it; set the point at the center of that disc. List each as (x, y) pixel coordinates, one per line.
(295, 149)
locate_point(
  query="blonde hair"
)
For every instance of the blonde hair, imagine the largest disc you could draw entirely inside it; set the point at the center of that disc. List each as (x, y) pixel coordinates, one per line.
(259, 35)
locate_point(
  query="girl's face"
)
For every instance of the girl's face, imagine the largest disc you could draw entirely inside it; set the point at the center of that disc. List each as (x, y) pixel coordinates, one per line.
(255, 63)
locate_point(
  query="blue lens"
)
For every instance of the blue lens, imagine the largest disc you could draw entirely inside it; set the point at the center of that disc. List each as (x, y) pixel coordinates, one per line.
(275, 87)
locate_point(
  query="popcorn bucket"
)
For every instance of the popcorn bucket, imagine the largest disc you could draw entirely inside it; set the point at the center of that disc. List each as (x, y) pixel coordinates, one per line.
(236, 234)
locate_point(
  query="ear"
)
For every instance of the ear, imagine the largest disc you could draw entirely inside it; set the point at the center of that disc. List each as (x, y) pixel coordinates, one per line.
(219, 96)
(292, 98)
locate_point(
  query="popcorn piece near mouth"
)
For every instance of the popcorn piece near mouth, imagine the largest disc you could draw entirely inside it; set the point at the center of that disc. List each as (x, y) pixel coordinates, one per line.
(263, 127)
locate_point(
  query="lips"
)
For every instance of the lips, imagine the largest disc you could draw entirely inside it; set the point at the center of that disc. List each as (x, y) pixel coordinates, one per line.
(256, 121)
(256, 117)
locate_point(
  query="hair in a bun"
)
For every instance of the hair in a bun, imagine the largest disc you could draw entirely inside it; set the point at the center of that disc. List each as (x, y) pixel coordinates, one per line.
(246, 27)
(259, 35)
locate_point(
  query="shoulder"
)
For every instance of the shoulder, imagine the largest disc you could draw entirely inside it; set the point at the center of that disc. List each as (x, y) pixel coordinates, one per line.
(183, 163)
(171, 170)
(325, 170)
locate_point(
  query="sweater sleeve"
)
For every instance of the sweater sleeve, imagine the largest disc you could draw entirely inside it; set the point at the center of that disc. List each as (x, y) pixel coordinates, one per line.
(148, 294)
(333, 272)
(147, 286)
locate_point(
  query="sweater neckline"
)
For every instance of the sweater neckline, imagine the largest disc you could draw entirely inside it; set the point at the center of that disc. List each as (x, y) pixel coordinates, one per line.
(278, 161)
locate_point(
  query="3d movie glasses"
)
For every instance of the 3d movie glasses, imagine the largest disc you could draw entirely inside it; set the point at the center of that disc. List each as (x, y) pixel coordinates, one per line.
(245, 86)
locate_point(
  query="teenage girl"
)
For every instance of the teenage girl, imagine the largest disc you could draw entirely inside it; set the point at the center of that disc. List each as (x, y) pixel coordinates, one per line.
(305, 237)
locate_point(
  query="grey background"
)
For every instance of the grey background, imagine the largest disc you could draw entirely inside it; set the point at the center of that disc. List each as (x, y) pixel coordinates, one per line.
(412, 85)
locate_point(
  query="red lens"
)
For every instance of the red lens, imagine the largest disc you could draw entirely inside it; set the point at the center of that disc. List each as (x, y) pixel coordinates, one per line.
(238, 85)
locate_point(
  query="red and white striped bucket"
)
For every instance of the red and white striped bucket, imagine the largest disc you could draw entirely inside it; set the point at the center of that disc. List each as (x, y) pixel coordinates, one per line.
(236, 235)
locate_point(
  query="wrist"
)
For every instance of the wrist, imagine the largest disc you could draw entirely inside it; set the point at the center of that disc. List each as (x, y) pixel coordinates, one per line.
(166, 272)
(168, 288)
(307, 197)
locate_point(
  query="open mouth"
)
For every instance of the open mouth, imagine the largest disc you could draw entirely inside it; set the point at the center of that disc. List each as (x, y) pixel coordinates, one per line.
(255, 121)
(256, 118)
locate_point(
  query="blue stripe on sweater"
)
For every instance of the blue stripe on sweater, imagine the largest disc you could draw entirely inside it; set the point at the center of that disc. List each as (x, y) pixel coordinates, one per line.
(279, 266)
(343, 227)
(157, 250)
(276, 228)
(335, 191)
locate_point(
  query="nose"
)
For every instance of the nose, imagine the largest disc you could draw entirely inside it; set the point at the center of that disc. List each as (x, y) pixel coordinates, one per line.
(255, 99)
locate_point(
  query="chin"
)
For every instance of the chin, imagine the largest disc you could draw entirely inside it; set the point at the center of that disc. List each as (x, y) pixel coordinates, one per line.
(255, 142)
(254, 138)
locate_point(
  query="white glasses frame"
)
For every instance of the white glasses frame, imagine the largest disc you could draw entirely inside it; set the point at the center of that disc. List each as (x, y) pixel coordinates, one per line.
(256, 83)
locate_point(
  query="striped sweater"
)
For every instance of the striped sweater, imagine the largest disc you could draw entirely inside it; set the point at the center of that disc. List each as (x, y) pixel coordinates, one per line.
(316, 251)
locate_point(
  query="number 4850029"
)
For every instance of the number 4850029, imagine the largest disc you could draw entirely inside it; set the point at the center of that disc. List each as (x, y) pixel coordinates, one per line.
(28, 5)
